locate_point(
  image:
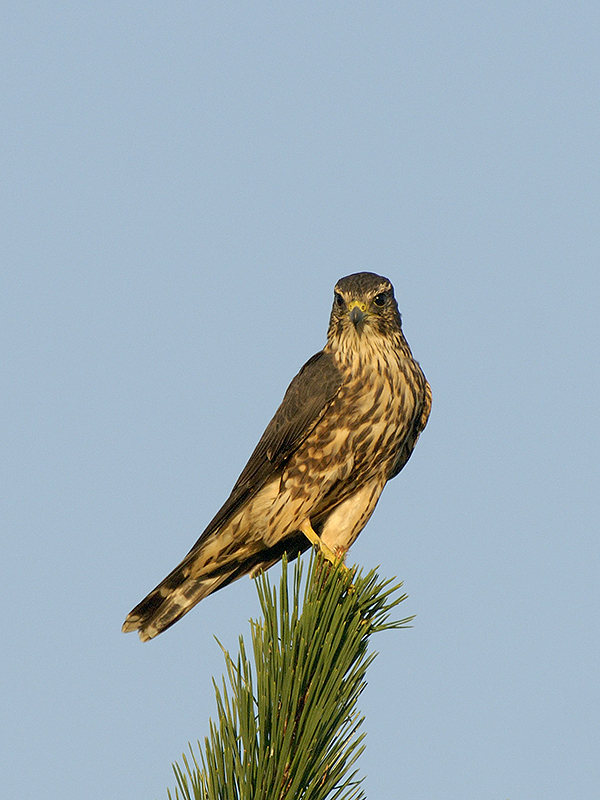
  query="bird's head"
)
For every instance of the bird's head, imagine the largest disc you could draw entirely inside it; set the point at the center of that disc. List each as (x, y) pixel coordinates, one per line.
(364, 306)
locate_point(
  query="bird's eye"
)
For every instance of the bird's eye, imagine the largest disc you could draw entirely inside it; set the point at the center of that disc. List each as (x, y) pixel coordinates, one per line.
(339, 300)
(380, 299)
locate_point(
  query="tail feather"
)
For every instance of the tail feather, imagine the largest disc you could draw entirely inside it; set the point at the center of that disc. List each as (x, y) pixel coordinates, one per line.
(201, 573)
(177, 594)
(168, 603)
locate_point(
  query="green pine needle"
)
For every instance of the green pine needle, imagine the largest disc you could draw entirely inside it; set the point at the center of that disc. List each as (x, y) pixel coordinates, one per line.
(290, 729)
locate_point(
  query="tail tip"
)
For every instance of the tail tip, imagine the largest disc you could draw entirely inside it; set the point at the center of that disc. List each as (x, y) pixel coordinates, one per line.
(135, 624)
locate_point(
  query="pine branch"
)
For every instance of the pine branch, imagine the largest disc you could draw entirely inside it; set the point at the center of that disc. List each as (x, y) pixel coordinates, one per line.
(290, 729)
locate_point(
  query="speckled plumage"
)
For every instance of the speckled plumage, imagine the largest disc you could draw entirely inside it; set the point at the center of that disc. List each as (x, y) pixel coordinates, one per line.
(348, 423)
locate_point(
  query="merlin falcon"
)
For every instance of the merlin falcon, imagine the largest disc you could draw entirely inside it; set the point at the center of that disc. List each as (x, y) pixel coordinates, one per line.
(347, 424)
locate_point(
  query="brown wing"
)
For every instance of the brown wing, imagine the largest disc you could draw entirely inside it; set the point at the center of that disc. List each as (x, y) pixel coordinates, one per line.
(409, 443)
(304, 403)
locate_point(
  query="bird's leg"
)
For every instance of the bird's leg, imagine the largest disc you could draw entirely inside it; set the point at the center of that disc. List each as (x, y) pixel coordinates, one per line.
(316, 540)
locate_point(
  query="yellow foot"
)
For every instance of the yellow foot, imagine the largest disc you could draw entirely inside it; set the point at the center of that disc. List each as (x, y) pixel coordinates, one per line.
(316, 540)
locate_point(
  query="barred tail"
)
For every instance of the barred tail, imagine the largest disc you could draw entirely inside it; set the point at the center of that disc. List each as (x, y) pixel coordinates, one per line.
(177, 594)
(216, 562)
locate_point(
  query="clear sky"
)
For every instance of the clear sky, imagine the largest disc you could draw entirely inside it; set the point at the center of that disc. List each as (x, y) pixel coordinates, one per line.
(182, 185)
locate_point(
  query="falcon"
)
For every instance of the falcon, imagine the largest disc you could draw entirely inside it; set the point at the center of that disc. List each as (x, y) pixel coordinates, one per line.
(347, 424)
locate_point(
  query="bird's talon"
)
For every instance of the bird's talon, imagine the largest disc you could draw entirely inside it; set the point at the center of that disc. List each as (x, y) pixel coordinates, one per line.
(315, 539)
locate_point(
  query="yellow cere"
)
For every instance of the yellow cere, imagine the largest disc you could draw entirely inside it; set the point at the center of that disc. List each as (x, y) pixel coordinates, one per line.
(353, 303)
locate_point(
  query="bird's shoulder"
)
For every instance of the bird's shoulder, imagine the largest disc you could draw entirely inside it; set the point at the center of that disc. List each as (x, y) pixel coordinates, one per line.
(305, 401)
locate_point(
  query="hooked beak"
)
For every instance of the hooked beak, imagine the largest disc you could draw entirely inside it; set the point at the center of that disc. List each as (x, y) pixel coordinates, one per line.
(357, 314)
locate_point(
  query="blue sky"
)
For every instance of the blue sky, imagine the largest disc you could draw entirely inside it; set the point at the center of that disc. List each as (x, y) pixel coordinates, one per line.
(182, 185)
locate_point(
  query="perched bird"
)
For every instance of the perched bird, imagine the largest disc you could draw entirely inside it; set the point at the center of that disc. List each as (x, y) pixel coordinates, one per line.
(348, 423)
